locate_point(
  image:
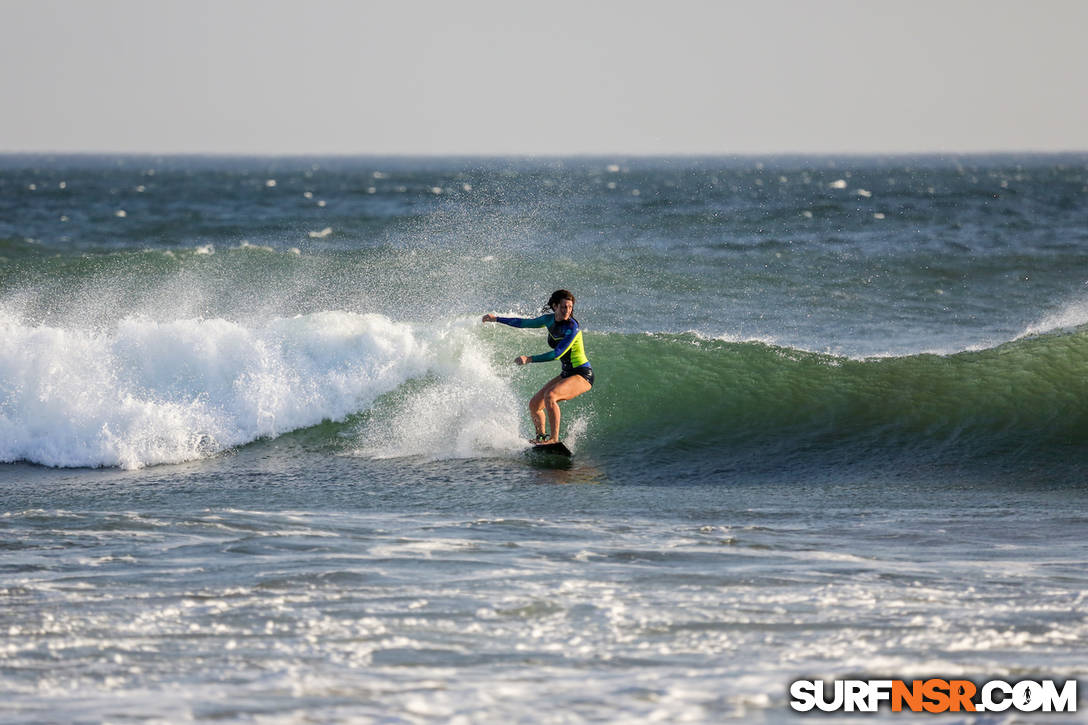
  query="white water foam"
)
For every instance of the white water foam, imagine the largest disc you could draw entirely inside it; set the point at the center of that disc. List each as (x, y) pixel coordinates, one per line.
(464, 409)
(146, 392)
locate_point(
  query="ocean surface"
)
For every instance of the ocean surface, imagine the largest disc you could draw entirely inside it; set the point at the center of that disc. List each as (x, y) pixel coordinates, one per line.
(261, 462)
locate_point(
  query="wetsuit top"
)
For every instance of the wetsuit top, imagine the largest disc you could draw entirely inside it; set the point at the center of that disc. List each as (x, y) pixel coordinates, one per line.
(565, 339)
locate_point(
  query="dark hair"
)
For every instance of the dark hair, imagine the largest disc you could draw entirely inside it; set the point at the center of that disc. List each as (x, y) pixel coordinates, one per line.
(559, 294)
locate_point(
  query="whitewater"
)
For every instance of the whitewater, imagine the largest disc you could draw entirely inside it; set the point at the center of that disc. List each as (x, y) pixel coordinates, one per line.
(145, 392)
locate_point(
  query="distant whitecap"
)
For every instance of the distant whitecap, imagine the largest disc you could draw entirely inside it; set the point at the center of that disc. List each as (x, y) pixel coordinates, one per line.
(120, 213)
(321, 234)
(838, 184)
(258, 247)
(865, 192)
(270, 183)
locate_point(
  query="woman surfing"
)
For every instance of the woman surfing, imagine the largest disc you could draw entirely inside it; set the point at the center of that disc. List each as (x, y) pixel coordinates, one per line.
(565, 339)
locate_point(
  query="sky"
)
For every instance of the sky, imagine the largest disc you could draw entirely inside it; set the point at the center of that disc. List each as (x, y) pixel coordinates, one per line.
(499, 77)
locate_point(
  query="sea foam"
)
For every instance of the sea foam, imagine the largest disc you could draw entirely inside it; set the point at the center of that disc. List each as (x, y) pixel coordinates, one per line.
(145, 392)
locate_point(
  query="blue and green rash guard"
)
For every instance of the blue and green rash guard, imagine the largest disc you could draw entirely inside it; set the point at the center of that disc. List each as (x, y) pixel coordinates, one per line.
(565, 339)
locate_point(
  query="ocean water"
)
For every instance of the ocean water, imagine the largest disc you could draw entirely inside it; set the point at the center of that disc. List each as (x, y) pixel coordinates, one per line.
(261, 462)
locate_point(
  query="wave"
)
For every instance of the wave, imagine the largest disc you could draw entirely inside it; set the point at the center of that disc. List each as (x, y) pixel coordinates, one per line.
(762, 405)
(144, 392)
(141, 392)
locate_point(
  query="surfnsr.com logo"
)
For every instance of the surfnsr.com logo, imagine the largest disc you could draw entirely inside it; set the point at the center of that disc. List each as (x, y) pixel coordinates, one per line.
(933, 695)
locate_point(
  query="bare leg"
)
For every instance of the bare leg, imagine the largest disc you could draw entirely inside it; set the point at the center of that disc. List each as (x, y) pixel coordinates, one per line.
(539, 421)
(556, 392)
(536, 406)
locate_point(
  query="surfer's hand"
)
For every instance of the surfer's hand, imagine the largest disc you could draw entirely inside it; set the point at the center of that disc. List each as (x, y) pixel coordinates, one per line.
(522, 359)
(489, 318)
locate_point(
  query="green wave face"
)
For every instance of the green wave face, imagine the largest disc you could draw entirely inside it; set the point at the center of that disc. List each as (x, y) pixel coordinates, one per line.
(673, 394)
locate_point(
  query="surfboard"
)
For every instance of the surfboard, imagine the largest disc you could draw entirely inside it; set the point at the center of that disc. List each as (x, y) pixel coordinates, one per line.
(552, 449)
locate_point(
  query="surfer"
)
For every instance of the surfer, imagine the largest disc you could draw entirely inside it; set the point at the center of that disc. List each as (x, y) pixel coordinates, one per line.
(565, 339)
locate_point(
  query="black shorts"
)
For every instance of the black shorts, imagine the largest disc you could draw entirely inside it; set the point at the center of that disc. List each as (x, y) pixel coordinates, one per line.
(585, 371)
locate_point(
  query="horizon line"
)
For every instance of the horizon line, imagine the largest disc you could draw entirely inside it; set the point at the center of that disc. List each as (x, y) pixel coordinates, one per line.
(546, 155)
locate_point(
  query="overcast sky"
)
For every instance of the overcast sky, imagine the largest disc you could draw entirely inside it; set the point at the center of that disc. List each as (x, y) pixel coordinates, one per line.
(554, 77)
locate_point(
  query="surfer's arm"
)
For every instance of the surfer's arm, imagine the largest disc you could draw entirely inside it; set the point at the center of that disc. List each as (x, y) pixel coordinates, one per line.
(542, 321)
